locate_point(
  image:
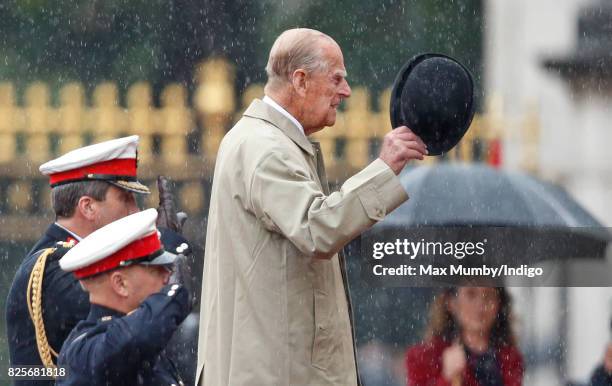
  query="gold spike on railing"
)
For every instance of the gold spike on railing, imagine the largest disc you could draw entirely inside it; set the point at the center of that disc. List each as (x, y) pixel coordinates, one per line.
(19, 196)
(71, 117)
(108, 119)
(176, 123)
(9, 123)
(358, 114)
(214, 102)
(142, 118)
(252, 92)
(39, 121)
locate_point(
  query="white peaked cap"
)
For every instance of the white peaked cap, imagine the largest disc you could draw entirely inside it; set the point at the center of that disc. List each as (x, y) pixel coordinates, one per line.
(132, 239)
(114, 161)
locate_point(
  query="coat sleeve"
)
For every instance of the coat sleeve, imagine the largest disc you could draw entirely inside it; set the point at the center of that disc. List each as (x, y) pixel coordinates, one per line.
(284, 197)
(138, 336)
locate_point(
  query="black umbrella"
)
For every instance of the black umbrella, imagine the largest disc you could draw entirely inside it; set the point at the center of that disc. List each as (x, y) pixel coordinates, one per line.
(519, 218)
(476, 194)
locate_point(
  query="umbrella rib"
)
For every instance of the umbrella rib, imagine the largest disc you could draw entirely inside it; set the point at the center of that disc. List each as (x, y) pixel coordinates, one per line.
(557, 207)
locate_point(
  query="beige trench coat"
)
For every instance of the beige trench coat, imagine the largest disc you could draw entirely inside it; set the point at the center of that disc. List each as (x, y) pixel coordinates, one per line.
(274, 309)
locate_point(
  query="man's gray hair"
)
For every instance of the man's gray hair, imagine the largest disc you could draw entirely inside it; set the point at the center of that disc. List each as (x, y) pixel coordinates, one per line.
(294, 49)
(66, 197)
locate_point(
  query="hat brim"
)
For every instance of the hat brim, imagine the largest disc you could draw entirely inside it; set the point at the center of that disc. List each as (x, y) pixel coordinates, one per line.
(166, 258)
(433, 95)
(132, 186)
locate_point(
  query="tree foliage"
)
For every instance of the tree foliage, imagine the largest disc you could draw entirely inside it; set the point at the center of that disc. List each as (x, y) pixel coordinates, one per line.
(162, 40)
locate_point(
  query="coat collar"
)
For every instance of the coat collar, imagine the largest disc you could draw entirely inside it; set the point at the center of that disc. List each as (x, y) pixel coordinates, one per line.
(261, 110)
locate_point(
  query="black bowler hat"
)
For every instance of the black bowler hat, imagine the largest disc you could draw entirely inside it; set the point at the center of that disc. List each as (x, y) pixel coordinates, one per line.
(433, 95)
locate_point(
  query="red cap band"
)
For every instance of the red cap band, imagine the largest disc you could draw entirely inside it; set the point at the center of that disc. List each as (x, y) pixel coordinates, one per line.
(137, 249)
(122, 167)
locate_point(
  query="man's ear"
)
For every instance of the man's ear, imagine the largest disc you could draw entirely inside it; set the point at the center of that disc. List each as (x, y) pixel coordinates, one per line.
(119, 283)
(298, 80)
(87, 207)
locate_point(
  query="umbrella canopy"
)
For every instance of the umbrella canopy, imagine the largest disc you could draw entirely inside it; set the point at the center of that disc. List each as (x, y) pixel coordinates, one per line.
(517, 218)
(476, 194)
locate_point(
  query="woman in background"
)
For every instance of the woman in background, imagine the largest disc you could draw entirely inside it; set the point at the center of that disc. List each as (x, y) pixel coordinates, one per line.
(469, 341)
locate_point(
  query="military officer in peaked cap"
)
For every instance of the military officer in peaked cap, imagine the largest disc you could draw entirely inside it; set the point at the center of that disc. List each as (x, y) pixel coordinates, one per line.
(91, 187)
(134, 310)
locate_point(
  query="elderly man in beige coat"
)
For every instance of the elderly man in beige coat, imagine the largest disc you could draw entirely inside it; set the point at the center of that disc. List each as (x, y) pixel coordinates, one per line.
(275, 306)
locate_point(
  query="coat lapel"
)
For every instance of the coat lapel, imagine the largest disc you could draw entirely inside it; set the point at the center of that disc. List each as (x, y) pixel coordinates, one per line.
(320, 167)
(261, 110)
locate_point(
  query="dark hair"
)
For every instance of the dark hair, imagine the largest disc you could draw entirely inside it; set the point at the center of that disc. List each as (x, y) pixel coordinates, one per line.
(65, 198)
(443, 325)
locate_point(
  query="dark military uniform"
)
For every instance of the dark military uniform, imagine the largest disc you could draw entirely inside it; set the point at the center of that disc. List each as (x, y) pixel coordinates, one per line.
(111, 348)
(64, 302)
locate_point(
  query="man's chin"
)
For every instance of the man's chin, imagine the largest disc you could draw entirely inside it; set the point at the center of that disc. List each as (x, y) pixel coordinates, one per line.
(313, 130)
(331, 119)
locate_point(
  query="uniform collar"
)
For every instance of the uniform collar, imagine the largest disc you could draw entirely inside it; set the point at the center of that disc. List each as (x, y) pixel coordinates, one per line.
(69, 232)
(59, 233)
(97, 312)
(261, 110)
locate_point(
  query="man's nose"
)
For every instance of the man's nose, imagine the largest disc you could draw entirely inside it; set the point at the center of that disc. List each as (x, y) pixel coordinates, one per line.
(345, 89)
